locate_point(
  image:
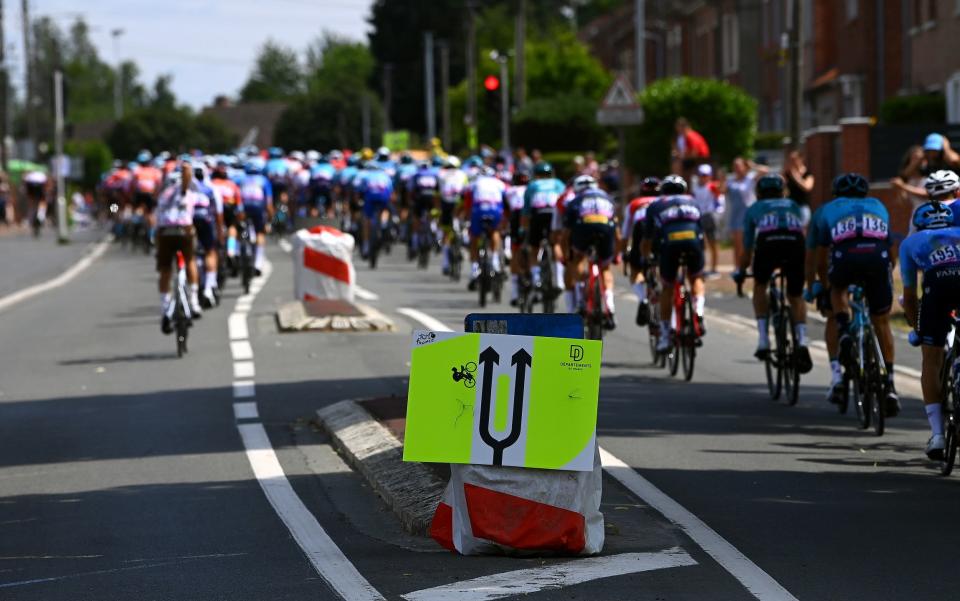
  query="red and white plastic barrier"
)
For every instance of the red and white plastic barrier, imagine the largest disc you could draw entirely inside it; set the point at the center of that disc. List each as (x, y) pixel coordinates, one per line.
(323, 264)
(514, 511)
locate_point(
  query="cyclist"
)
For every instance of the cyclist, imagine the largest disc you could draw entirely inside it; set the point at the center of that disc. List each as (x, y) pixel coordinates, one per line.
(854, 230)
(674, 223)
(376, 190)
(453, 182)
(773, 239)
(208, 225)
(539, 209)
(35, 186)
(175, 233)
(278, 172)
(514, 204)
(934, 249)
(256, 194)
(145, 184)
(230, 196)
(484, 202)
(320, 187)
(634, 216)
(590, 222)
(424, 188)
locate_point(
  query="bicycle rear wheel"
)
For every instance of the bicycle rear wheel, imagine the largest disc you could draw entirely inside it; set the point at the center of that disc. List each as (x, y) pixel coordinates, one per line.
(791, 375)
(180, 319)
(483, 282)
(771, 367)
(375, 236)
(950, 426)
(688, 346)
(595, 317)
(861, 393)
(547, 285)
(877, 389)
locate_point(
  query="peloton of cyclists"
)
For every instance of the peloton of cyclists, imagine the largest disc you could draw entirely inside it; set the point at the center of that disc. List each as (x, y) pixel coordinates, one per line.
(539, 216)
(634, 218)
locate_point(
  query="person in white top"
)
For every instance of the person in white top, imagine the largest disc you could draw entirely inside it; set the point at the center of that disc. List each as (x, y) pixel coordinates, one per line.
(740, 192)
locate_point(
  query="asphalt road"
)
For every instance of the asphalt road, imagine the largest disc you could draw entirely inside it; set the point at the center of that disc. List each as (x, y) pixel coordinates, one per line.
(123, 473)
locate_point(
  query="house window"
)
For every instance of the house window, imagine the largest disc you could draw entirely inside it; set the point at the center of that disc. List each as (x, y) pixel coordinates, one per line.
(953, 98)
(731, 44)
(853, 9)
(851, 91)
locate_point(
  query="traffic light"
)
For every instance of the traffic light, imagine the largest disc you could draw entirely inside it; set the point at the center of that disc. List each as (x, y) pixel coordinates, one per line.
(491, 83)
(491, 95)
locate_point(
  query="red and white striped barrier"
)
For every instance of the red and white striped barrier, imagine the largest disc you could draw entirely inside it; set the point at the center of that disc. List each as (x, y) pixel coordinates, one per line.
(323, 264)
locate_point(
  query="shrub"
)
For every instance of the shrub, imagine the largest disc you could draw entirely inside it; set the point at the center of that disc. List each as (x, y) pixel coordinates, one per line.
(560, 123)
(920, 108)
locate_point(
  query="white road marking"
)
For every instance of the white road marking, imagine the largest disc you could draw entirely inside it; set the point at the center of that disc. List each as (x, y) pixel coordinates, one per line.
(285, 246)
(364, 294)
(522, 582)
(755, 580)
(426, 320)
(244, 389)
(246, 410)
(241, 350)
(237, 327)
(329, 561)
(243, 369)
(21, 295)
(760, 584)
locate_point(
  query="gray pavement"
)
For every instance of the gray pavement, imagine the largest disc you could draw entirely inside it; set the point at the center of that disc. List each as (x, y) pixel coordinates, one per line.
(25, 260)
(122, 475)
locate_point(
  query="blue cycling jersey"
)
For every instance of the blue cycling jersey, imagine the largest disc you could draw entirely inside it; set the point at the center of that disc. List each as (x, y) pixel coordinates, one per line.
(927, 250)
(276, 168)
(765, 217)
(673, 219)
(848, 219)
(542, 195)
(590, 207)
(346, 175)
(256, 191)
(377, 186)
(323, 173)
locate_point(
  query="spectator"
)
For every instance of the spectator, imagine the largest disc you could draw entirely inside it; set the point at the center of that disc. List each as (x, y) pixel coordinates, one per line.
(611, 177)
(800, 183)
(740, 191)
(939, 154)
(590, 165)
(689, 148)
(537, 156)
(522, 162)
(4, 197)
(910, 178)
(710, 200)
(578, 165)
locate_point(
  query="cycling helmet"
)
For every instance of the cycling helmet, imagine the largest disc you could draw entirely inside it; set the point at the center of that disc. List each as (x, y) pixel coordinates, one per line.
(406, 158)
(366, 154)
(770, 186)
(583, 182)
(275, 152)
(673, 184)
(521, 178)
(932, 216)
(941, 183)
(313, 156)
(437, 161)
(353, 161)
(852, 185)
(453, 162)
(383, 153)
(649, 186)
(543, 169)
(297, 155)
(487, 171)
(144, 157)
(254, 166)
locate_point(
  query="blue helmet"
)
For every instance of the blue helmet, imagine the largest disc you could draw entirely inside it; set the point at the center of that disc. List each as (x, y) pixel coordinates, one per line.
(932, 216)
(254, 166)
(144, 157)
(275, 152)
(851, 185)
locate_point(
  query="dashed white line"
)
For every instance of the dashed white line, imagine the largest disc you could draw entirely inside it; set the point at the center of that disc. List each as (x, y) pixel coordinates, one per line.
(364, 294)
(244, 389)
(760, 584)
(21, 295)
(246, 410)
(237, 327)
(329, 561)
(285, 246)
(243, 369)
(577, 571)
(241, 350)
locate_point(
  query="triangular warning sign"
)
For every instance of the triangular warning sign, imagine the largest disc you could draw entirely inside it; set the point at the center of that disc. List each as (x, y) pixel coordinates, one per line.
(620, 95)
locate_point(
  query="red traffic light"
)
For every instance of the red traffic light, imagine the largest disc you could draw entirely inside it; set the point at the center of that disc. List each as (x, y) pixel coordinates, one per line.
(491, 82)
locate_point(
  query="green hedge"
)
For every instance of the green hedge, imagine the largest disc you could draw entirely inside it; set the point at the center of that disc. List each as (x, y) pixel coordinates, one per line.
(566, 122)
(920, 108)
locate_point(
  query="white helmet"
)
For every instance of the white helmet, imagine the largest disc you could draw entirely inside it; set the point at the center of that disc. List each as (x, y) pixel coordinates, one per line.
(583, 182)
(313, 156)
(383, 153)
(941, 183)
(453, 162)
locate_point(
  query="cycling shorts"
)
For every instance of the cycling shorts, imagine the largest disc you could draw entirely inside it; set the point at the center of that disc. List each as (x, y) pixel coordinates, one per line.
(447, 210)
(482, 219)
(597, 235)
(672, 253)
(636, 244)
(867, 264)
(142, 199)
(257, 217)
(422, 205)
(941, 296)
(206, 234)
(229, 215)
(374, 206)
(169, 241)
(541, 224)
(784, 251)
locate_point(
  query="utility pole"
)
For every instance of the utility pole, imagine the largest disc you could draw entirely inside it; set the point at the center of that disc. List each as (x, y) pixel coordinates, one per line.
(118, 78)
(28, 79)
(796, 70)
(502, 58)
(58, 163)
(470, 119)
(428, 88)
(365, 119)
(640, 42)
(444, 94)
(519, 52)
(387, 95)
(4, 93)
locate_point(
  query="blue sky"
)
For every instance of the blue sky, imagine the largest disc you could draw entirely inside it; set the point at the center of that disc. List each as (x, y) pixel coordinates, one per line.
(208, 45)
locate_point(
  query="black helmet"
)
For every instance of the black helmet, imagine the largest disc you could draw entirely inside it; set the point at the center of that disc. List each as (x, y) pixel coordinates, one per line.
(649, 186)
(673, 184)
(852, 185)
(521, 178)
(543, 168)
(770, 186)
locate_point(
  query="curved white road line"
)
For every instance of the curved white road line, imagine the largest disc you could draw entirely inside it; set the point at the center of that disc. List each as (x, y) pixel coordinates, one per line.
(21, 295)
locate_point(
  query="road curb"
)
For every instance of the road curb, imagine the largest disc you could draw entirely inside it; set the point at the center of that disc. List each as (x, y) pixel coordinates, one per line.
(411, 490)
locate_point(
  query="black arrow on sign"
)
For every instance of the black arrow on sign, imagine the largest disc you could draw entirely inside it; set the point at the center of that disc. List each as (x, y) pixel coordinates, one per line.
(489, 358)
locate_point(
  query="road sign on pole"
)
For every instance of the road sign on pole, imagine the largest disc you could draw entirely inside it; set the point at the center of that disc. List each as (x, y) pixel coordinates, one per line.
(619, 106)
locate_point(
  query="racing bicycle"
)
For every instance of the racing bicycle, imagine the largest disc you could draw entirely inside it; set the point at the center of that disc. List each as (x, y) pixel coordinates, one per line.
(595, 308)
(864, 371)
(489, 281)
(179, 310)
(686, 331)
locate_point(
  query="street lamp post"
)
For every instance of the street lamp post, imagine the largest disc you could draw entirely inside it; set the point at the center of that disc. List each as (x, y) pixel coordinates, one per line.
(118, 76)
(502, 59)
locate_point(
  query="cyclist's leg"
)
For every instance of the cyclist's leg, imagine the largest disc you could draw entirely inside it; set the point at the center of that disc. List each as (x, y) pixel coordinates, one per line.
(933, 324)
(764, 261)
(879, 292)
(698, 289)
(476, 233)
(574, 274)
(669, 267)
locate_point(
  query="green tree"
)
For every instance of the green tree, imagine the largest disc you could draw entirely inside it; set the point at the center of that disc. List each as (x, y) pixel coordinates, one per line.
(723, 113)
(276, 75)
(97, 159)
(164, 128)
